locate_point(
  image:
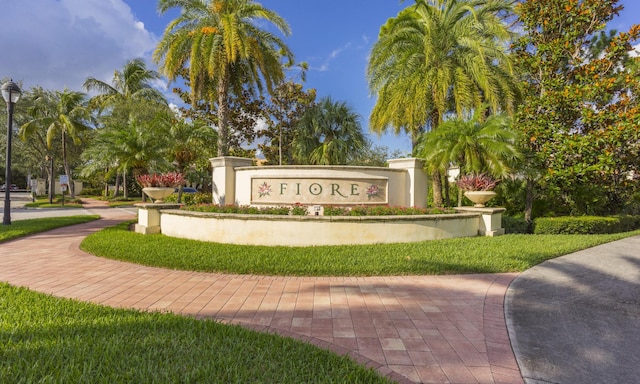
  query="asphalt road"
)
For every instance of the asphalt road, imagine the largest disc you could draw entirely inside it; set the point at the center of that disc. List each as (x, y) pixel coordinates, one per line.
(19, 212)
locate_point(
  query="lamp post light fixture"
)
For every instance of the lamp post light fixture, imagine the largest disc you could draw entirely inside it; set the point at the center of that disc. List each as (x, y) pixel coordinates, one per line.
(11, 94)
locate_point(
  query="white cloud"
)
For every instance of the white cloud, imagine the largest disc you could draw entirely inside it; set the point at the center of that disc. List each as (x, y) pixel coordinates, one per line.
(332, 56)
(261, 125)
(337, 52)
(59, 43)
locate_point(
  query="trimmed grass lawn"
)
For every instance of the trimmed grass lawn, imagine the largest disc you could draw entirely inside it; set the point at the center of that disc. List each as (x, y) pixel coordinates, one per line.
(50, 340)
(509, 253)
(20, 228)
(57, 203)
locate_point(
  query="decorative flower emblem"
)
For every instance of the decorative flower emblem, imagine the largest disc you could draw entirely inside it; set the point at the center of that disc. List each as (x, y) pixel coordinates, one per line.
(372, 191)
(264, 190)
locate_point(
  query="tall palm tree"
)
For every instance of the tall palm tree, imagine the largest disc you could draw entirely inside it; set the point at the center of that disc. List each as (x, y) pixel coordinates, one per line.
(439, 57)
(222, 44)
(476, 145)
(67, 116)
(133, 82)
(329, 133)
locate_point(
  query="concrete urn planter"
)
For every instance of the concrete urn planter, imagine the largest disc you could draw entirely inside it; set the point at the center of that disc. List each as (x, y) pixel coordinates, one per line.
(157, 193)
(479, 197)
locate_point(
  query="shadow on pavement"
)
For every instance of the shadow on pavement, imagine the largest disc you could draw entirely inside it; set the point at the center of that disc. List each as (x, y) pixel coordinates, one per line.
(576, 319)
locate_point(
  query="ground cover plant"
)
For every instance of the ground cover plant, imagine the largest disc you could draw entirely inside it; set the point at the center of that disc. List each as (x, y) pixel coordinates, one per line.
(383, 210)
(20, 228)
(245, 209)
(122, 202)
(509, 253)
(47, 339)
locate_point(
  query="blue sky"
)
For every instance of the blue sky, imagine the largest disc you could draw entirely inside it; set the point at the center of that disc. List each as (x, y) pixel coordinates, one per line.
(59, 43)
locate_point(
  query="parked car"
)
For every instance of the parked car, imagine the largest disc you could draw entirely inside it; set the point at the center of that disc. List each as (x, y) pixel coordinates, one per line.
(188, 190)
(13, 187)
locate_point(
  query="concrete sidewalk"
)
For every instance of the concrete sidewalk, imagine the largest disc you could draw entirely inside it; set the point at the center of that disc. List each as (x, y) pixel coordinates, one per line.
(576, 319)
(431, 329)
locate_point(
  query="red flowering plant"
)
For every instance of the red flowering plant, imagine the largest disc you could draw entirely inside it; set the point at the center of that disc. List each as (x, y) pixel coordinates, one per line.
(477, 182)
(170, 179)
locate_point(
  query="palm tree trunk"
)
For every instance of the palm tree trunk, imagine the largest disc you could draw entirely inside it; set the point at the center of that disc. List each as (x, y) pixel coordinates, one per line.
(117, 186)
(436, 182)
(447, 198)
(125, 190)
(67, 171)
(223, 112)
(436, 177)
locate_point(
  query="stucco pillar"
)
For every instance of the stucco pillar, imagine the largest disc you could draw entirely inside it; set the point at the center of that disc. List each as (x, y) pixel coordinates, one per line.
(416, 181)
(149, 217)
(224, 178)
(490, 223)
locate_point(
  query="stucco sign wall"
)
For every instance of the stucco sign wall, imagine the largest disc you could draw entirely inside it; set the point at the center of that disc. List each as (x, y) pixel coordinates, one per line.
(319, 190)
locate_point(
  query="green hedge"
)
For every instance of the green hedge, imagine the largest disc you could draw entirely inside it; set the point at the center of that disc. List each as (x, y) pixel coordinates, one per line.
(513, 225)
(569, 225)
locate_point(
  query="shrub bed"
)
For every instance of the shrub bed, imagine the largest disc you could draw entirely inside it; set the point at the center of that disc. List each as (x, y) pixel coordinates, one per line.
(585, 224)
(383, 210)
(190, 199)
(247, 210)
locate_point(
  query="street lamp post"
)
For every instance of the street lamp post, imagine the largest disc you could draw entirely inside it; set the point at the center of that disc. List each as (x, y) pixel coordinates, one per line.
(11, 94)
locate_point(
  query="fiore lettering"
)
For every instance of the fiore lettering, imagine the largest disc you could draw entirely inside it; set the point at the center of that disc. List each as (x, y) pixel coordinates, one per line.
(319, 191)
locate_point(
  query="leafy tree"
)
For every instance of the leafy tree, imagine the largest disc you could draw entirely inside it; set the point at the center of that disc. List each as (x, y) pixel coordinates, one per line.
(374, 156)
(437, 57)
(329, 133)
(245, 111)
(63, 113)
(289, 102)
(225, 50)
(580, 105)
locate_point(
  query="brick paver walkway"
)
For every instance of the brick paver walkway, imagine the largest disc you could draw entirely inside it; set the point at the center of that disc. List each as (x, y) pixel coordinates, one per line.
(431, 329)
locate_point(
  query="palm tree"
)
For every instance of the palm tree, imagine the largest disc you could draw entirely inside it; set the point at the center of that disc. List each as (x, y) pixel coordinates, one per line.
(476, 145)
(127, 148)
(131, 83)
(224, 48)
(439, 57)
(189, 142)
(65, 114)
(128, 99)
(329, 133)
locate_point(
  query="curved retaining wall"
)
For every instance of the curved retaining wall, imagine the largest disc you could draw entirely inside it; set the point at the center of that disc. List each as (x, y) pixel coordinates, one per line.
(315, 230)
